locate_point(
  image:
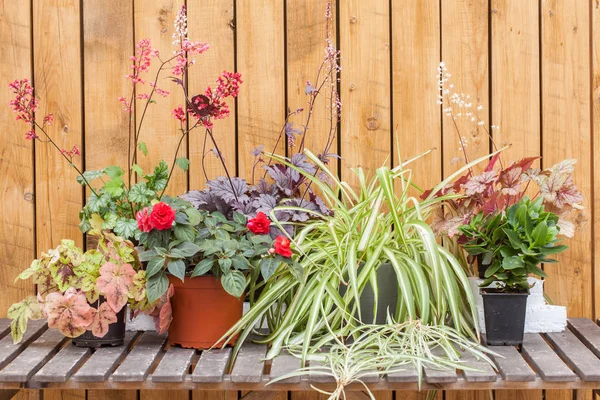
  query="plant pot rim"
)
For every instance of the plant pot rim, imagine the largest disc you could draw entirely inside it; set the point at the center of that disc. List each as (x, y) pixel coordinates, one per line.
(501, 292)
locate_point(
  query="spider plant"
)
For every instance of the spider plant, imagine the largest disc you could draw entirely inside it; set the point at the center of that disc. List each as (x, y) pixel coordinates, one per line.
(378, 222)
(389, 348)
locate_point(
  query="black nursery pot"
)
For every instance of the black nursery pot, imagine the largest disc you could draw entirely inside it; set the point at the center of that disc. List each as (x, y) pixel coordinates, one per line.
(481, 268)
(114, 337)
(504, 317)
(387, 283)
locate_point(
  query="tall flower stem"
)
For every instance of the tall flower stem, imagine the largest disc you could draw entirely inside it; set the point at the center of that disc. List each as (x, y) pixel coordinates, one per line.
(210, 134)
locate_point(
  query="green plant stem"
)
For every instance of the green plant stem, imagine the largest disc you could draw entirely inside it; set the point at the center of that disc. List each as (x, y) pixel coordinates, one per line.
(209, 132)
(66, 158)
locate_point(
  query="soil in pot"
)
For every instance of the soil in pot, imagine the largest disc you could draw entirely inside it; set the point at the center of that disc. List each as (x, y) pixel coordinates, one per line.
(114, 337)
(387, 282)
(504, 316)
(202, 312)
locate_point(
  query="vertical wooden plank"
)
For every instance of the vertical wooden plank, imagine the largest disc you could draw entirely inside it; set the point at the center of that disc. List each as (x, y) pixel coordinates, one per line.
(415, 56)
(107, 46)
(57, 79)
(515, 102)
(365, 86)
(260, 60)
(53, 394)
(595, 10)
(518, 394)
(213, 22)
(566, 128)
(306, 34)
(206, 395)
(516, 77)
(465, 52)
(312, 395)
(58, 86)
(566, 124)
(160, 131)
(414, 395)
(112, 394)
(17, 247)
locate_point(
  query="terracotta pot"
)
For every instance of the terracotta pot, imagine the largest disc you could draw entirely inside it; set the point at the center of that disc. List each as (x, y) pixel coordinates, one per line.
(202, 312)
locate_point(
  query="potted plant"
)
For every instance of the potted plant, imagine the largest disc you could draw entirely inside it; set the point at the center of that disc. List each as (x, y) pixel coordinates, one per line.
(84, 294)
(518, 241)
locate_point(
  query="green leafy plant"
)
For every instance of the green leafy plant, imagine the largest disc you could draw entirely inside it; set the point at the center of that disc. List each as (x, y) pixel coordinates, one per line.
(80, 291)
(373, 224)
(202, 242)
(514, 243)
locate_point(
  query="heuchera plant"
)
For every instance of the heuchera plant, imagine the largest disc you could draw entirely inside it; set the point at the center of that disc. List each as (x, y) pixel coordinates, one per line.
(71, 282)
(279, 184)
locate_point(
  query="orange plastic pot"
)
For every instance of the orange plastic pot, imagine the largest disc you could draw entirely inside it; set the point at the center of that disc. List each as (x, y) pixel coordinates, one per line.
(202, 312)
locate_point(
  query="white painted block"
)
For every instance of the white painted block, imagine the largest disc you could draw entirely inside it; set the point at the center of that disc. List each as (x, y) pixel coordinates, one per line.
(539, 317)
(142, 322)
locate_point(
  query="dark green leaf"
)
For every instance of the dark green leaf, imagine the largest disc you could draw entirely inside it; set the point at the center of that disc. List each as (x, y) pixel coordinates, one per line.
(239, 218)
(539, 234)
(177, 268)
(234, 283)
(202, 267)
(156, 287)
(126, 228)
(512, 262)
(225, 264)
(268, 266)
(155, 265)
(90, 176)
(194, 216)
(146, 255)
(188, 249)
(185, 232)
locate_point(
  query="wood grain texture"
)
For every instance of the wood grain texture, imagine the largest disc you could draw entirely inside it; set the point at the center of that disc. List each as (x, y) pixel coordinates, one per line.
(595, 15)
(139, 361)
(511, 365)
(206, 395)
(365, 86)
(545, 361)
(465, 52)
(9, 350)
(576, 355)
(53, 394)
(213, 22)
(305, 52)
(103, 362)
(515, 65)
(211, 365)
(112, 394)
(260, 60)
(61, 366)
(415, 57)
(57, 78)
(312, 395)
(159, 130)
(567, 134)
(17, 241)
(248, 366)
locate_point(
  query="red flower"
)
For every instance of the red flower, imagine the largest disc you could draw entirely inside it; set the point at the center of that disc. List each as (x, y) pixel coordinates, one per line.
(162, 216)
(260, 224)
(143, 220)
(282, 246)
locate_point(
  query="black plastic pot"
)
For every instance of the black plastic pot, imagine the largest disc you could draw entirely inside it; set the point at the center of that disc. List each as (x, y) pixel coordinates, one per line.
(114, 337)
(504, 317)
(387, 283)
(481, 268)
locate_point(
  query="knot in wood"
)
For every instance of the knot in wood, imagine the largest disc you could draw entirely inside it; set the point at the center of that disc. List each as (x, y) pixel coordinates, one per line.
(353, 20)
(372, 123)
(28, 196)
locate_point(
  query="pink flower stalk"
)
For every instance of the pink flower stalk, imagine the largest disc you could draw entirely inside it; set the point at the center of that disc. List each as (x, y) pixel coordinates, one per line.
(210, 105)
(179, 113)
(49, 119)
(24, 103)
(30, 135)
(142, 61)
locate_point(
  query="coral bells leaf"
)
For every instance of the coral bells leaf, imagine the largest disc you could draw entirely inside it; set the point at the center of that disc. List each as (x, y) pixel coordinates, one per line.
(260, 224)
(21, 313)
(115, 283)
(480, 183)
(103, 317)
(70, 314)
(282, 246)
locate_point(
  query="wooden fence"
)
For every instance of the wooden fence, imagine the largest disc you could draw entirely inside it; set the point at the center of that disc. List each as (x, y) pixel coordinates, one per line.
(533, 65)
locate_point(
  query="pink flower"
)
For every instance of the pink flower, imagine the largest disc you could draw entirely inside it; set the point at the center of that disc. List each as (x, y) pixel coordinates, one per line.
(229, 84)
(126, 105)
(282, 246)
(179, 113)
(143, 220)
(30, 135)
(260, 224)
(49, 119)
(24, 103)
(162, 216)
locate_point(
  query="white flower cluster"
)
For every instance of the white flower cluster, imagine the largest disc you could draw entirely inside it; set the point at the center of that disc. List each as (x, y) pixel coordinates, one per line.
(180, 26)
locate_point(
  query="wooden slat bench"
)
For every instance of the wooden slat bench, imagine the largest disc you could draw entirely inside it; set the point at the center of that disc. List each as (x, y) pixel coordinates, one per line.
(45, 359)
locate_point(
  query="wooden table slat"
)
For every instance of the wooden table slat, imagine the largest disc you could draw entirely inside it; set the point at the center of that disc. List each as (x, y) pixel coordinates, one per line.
(439, 375)
(484, 371)
(62, 366)
(547, 364)
(139, 361)
(576, 355)
(174, 365)
(4, 327)
(406, 375)
(33, 357)
(511, 365)
(588, 332)
(318, 376)
(9, 350)
(248, 365)
(104, 360)
(211, 366)
(282, 365)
